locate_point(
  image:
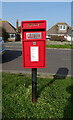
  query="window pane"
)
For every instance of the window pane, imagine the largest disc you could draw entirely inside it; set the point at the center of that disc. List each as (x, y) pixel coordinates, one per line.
(9, 35)
(63, 27)
(12, 36)
(60, 27)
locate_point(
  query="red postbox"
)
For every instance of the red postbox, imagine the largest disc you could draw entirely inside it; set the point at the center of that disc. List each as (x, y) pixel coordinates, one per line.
(33, 43)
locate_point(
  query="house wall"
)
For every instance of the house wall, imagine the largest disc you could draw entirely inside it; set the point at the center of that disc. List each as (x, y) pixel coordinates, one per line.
(68, 37)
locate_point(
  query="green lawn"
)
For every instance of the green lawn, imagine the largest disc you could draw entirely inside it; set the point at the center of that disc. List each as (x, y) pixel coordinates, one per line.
(53, 100)
(68, 46)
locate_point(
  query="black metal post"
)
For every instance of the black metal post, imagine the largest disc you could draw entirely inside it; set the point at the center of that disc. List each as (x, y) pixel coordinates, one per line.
(34, 84)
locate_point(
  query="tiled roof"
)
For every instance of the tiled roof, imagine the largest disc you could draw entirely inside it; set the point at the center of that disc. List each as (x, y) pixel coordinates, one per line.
(7, 26)
(62, 23)
(54, 29)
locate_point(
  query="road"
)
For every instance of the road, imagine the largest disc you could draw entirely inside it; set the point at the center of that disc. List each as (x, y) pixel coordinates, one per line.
(58, 61)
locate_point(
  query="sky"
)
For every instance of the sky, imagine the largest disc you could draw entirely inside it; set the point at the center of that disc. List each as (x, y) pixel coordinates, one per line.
(52, 12)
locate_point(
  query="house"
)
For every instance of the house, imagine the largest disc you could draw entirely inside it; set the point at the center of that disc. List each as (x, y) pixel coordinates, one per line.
(9, 29)
(60, 29)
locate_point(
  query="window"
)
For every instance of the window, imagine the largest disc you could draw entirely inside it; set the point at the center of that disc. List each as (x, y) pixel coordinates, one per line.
(62, 27)
(12, 36)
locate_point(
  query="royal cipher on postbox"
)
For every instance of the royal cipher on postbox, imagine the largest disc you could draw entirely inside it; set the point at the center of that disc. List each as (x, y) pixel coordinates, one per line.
(33, 43)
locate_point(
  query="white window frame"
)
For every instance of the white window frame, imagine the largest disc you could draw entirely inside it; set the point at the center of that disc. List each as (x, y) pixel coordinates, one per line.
(12, 37)
(62, 27)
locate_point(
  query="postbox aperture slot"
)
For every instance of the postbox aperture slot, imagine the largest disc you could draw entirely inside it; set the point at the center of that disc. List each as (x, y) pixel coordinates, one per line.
(26, 30)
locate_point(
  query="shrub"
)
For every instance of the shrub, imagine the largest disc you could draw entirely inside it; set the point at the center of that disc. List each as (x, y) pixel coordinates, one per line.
(57, 38)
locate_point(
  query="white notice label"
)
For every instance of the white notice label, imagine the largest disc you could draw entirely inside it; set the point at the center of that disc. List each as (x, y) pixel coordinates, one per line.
(34, 53)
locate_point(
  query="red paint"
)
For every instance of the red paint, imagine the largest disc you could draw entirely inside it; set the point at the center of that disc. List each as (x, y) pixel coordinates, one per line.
(33, 43)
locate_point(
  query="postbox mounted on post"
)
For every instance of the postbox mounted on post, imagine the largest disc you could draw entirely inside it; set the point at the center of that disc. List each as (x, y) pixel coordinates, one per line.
(33, 43)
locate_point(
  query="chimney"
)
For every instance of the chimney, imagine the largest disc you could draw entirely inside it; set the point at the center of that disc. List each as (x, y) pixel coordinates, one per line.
(17, 26)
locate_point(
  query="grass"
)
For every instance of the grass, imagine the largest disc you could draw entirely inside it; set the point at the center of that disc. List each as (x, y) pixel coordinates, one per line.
(60, 46)
(53, 100)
